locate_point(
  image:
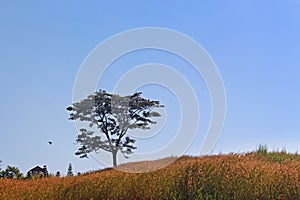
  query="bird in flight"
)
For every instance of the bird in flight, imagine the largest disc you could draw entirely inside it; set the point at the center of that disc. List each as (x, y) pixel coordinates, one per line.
(50, 142)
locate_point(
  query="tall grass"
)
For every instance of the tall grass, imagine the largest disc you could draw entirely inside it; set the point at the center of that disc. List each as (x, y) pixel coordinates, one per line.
(262, 150)
(233, 176)
(274, 156)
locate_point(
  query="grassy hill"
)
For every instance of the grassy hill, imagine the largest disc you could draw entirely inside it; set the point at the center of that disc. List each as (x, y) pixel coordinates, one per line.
(257, 175)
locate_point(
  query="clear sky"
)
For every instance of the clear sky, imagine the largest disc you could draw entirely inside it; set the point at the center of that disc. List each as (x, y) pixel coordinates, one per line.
(255, 45)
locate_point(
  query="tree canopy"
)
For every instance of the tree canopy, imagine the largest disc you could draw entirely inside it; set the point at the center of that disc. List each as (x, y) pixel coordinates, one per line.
(11, 172)
(113, 115)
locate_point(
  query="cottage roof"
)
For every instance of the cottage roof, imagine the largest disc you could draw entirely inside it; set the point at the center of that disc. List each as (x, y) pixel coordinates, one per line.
(37, 168)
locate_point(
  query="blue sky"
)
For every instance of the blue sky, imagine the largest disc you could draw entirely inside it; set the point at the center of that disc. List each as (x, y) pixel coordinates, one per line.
(255, 45)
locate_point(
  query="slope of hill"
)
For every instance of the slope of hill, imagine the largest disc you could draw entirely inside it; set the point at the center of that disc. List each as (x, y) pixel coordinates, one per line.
(233, 176)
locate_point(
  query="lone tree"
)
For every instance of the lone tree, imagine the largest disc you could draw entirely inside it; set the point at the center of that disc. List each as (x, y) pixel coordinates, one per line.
(113, 116)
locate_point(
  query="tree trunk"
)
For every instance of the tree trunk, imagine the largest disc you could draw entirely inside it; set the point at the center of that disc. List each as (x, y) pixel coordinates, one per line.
(114, 154)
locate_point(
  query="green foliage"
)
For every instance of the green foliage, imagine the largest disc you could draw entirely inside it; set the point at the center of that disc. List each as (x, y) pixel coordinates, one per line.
(57, 174)
(275, 156)
(45, 171)
(262, 150)
(70, 171)
(113, 116)
(11, 173)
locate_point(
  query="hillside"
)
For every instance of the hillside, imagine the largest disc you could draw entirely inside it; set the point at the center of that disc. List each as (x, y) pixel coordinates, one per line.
(258, 175)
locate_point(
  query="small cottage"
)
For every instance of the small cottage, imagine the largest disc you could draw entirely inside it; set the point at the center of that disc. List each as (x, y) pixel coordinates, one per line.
(36, 171)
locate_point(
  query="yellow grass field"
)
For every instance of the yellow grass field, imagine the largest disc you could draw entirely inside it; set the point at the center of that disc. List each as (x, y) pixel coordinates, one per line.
(233, 176)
